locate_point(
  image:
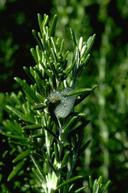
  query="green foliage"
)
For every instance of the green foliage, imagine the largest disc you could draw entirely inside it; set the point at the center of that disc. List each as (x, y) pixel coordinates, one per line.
(107, 109)
(98, 186)
(43, 122)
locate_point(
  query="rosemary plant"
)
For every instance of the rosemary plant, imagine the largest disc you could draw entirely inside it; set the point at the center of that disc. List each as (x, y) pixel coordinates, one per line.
(43, 127)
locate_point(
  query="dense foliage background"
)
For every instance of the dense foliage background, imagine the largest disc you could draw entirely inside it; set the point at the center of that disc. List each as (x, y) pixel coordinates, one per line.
(108, 67)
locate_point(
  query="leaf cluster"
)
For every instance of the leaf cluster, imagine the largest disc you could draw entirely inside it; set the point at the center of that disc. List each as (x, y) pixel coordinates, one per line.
(52, 143)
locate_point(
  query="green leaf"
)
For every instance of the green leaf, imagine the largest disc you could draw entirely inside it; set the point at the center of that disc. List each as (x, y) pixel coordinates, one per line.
(28, 90)
(22, 155)
(69, 181)
(45, 20)
(69, 63)
(52, 133)
(39, 106)
(40, 22)
(25, 117)
(84, 93)
(36, 175)
(16, 137)
(90, 182)
(73, 36)
(85, 60)
(53, 26)
(13, 127)
(36, 38)
(96, 186)
(80, 189)
(27, 71)
(89, 43)
(81, 91)
(39, 54)
(56, 151)
(53, 47)
(61, 46)
(33, 52)
(39, 171)
(39, 82)
(21, 142)
(65, 159)
(105, 187)
(15, 170)
(32, 127)
(68, 127)
(80, 43)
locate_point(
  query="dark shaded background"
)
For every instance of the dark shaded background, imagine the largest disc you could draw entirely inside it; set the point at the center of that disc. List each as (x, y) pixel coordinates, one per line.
(17, 20)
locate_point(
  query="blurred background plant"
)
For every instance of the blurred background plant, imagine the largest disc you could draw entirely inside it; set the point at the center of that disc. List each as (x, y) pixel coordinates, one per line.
(107, 111)
(107, 155)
